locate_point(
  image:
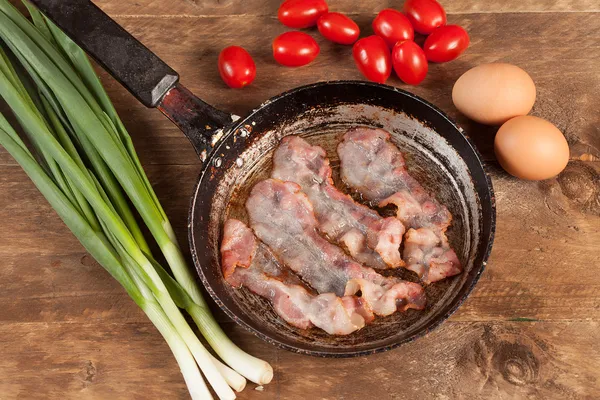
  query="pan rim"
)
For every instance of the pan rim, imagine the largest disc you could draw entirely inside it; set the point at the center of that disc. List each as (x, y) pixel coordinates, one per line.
(346, 353)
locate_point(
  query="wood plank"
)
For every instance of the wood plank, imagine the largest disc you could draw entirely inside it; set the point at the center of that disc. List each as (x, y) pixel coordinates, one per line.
(564, 95)
(99, 360)
(94, 360)
(195, 8)
(44, 233)
(74, 289)
(528, 275)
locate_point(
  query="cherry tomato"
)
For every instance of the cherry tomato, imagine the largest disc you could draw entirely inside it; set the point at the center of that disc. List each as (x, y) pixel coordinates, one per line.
(393, 26)
(372, 57)
(446, 43)
(409, 62)
(425, 15)
(338, 28)
(236, 67)
(294, 49)
(300, 14)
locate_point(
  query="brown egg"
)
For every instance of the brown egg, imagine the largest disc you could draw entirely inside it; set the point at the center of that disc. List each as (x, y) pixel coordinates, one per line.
(492, 94)
(531, 148)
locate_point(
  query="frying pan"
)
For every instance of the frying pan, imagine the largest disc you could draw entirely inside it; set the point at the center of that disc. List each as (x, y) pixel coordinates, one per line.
(236, 153)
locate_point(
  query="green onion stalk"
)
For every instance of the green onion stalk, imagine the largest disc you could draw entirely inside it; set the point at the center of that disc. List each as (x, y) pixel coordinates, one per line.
(85, 164)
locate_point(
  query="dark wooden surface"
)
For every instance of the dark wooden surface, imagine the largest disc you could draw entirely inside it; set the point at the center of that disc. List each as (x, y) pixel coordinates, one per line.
(529, 330)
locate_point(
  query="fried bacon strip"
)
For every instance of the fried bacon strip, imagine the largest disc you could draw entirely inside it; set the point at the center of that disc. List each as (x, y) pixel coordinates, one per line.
(369, 238)
(375, 167)
(282, 217)
(247, 262)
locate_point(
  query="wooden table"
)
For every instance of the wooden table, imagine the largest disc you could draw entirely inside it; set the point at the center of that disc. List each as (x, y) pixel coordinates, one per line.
(529, 330)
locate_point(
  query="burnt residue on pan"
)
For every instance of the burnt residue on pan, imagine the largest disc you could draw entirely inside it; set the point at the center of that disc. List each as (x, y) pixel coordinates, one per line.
(431, 158)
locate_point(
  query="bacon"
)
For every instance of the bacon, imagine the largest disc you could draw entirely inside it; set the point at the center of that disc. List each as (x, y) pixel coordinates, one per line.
(247, 262)
(283, 218)
(237, 248)
(369, 238)
(375, 167)
(429, 255)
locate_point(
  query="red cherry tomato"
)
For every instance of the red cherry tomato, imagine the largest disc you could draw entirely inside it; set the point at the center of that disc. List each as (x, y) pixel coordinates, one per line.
(393, 26)
(372, 57)
(294, 49)
(425, 15)
(236, 67)
(409, 62)
(446, 43)
(338, 28)
(301, 13)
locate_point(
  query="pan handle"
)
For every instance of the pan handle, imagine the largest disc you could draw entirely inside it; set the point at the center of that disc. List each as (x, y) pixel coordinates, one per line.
(140, 71)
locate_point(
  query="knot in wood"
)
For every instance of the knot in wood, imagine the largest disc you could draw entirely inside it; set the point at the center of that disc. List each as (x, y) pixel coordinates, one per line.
(578, 182)
(517, 363)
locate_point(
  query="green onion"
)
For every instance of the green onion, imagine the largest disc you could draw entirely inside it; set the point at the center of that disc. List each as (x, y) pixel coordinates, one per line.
(97, 245)
(87, 168)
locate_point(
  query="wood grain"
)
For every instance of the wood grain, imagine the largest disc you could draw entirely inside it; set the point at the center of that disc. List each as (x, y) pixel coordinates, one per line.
(563, 97)
(201, 8)
(474, 360)
(527, 276)
(530, 328)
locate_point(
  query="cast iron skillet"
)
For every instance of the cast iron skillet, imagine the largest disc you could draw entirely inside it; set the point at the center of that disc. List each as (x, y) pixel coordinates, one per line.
(236, 153)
